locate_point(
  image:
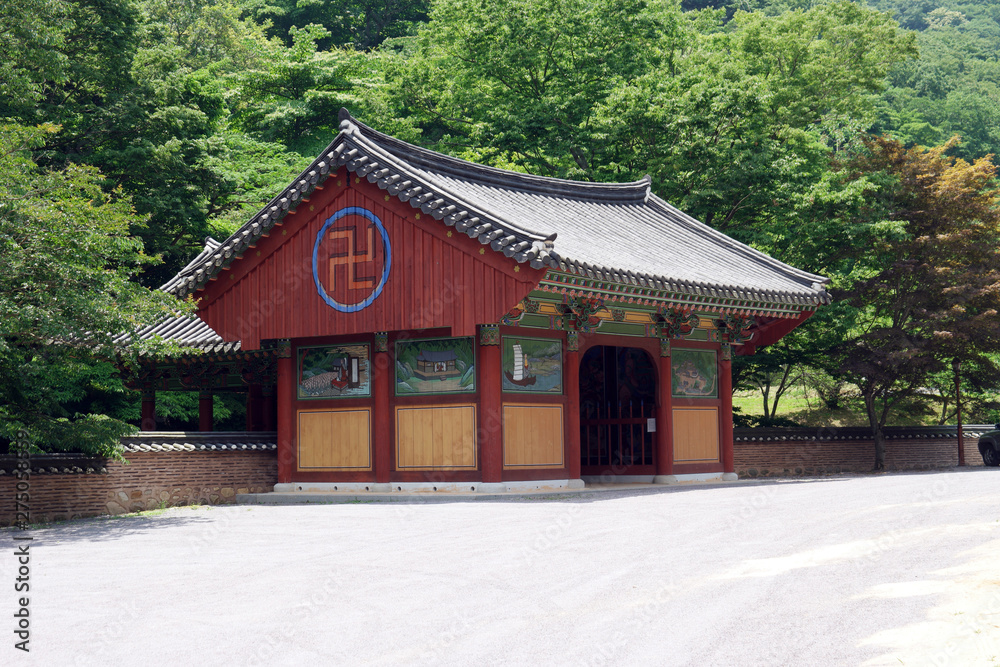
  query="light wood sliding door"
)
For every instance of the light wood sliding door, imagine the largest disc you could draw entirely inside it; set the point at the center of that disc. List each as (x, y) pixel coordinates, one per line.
(335, 439)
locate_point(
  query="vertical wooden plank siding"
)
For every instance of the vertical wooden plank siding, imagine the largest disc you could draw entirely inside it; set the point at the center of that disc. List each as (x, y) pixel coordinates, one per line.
(696, 434)
(435, 280)
(335, 439)
(436, 437)
(532, 436)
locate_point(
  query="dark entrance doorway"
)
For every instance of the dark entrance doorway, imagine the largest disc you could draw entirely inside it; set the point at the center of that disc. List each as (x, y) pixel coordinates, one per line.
(617, 399)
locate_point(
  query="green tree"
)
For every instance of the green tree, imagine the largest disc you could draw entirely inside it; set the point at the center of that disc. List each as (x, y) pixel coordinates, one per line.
(363, 24)
(68, 299)
(930, 293)
(293, 95)
(519, 81)
(744, 121)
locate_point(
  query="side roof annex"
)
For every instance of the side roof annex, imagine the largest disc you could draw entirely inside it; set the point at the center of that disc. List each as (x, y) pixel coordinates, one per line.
(620, 233)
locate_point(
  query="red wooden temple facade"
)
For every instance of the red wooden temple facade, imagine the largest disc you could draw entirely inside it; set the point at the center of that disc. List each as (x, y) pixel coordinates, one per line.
(406, 320)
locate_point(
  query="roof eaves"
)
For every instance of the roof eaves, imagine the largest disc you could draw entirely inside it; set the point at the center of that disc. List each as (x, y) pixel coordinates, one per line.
(201, 272)
(816, 294)
(369, 160)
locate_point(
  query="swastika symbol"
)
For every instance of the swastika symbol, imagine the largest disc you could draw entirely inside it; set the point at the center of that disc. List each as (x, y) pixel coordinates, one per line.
(353, 259)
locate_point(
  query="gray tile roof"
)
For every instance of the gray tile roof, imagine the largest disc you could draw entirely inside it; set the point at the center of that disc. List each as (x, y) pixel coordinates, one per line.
(200, 441)
(854, 433)
(609, 232)
(63, 463)
(187, 330)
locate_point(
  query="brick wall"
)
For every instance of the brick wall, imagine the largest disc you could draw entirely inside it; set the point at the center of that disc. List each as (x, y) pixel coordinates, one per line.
(150, 480)
(789, 452)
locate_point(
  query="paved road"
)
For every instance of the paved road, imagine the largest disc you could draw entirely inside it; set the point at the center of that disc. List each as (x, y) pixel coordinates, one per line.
(880, 570)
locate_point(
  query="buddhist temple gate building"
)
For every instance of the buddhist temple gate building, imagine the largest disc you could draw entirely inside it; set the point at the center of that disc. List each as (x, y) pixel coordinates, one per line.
(408, 320)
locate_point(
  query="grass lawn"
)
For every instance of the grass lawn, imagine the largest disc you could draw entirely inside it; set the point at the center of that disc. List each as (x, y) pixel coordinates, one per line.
(803, 405)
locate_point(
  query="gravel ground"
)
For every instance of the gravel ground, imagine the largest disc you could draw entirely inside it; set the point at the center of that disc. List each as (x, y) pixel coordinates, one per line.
(846, 570)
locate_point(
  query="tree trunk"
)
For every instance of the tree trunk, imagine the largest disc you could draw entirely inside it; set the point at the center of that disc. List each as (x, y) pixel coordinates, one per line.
(879, 449)
(781, 389)
(877, 435)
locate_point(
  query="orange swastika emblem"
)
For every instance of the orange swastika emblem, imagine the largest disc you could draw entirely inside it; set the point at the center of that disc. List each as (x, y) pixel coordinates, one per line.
(353, 258)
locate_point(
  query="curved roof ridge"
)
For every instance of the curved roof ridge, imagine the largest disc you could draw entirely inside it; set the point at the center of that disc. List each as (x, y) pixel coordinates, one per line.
(442, 189)
(732, 243)
(631, 192)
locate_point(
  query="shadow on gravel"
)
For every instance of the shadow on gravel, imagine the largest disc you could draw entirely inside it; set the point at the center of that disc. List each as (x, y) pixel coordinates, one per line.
(585, 496)
(108, 528)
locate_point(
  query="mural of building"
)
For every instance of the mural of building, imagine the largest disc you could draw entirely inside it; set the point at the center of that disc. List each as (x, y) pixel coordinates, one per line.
(408, 320)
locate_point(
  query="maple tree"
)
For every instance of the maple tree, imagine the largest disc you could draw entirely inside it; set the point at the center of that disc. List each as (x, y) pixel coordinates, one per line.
(929, 290)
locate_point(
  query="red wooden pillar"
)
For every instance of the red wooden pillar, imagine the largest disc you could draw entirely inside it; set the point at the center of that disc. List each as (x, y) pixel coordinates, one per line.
(490, 405)
(572, 380)
(665, 418)
(205, 421)
(381, 386)
(726, 413)
(148, 422)
(286, 412)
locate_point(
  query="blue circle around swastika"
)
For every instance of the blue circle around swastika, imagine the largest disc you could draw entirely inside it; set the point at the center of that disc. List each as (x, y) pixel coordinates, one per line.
(361, 305)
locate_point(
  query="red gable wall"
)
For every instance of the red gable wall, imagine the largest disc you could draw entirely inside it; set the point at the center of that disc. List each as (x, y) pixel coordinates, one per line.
(435, 280)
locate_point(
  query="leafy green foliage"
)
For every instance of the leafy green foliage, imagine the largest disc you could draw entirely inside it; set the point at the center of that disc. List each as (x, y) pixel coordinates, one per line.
(523, 79)
(293, 95)
(363, 24)
(745, 113)
(954, 88)
(932, 294)
(66, 293)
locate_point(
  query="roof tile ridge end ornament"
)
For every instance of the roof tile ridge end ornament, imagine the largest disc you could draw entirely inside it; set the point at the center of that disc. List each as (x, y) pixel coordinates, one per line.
(737, 245)
(416, 156)
(189, 286)
(540, 242)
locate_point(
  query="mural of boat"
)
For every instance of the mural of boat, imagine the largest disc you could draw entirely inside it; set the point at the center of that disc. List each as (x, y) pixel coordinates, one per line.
(520, 376)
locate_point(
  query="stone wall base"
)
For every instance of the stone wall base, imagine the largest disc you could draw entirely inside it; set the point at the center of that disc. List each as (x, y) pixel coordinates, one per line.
(150, 480)
(789, 458)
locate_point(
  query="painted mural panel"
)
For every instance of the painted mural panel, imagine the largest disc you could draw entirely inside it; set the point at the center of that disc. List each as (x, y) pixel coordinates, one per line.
(334, 371)
(695, 373)
(435, 366)
(532, 365)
